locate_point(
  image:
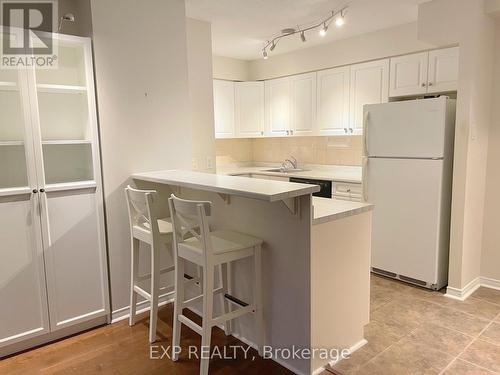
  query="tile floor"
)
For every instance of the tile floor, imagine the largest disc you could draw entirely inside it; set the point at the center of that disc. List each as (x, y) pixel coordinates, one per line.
(415, 331)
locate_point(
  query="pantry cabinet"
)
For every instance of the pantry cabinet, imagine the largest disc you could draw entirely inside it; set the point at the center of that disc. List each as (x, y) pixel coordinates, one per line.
(424, 73)
(333, 101)
(53, 273)
(369, 85)
(224, 109)
(249, 109)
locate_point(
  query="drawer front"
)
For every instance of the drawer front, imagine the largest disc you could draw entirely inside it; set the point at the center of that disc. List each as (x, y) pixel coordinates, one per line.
(347, 191)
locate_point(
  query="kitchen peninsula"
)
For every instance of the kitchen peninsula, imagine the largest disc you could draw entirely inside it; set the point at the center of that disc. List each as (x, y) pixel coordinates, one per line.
(316, 257)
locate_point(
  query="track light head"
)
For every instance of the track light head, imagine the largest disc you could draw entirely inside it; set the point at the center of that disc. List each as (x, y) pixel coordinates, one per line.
(264, 54)
(302, 36)
(323, 30)
(340, 20)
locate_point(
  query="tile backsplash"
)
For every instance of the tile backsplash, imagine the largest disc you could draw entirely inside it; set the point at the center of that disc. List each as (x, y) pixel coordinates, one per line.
(309, 150)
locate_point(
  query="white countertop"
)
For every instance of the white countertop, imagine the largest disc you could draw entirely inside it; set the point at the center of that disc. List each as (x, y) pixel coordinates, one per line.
(233, 185)
(325, 209)
(339, 173)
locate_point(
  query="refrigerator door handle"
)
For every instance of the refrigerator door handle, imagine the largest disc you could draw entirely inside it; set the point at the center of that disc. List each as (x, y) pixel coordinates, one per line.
(365, 132)
(364, 179)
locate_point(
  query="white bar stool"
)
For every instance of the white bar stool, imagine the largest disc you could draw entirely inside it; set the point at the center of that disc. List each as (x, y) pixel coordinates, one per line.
(146, 226)
(208, 250)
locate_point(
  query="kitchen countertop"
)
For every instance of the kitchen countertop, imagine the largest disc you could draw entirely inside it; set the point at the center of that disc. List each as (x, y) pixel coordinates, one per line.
(325, 209)
(233, 185)
(352, 174)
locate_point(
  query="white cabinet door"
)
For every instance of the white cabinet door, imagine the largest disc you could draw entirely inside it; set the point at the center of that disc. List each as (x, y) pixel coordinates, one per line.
(333, 101)
(224, 109)
(409, 74)
(369, 85)
(443, 70)
(249, 109)
(73, 241)
(278, 100)
(303, 101)
(23, 299)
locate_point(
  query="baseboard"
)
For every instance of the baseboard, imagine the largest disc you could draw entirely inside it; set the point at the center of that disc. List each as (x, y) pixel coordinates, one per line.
(351, 349)
(466, 292)
(142, 307)
(490, 283)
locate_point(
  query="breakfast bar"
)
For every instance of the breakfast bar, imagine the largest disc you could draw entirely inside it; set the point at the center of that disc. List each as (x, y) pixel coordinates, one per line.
(315, 259)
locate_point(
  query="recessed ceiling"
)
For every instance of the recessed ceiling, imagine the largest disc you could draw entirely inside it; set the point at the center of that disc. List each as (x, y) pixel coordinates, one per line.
(240, 27)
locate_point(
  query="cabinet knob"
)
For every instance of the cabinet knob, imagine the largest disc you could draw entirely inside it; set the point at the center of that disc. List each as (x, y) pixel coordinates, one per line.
(34, 191)
(351, 130)
(345, 130)
(291, 132)
(423, 85)
(261, 133)
(287, 132)
(42, 190)
(430, 83)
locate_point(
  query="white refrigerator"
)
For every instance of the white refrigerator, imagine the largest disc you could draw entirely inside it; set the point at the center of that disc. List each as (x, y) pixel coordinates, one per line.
(407, 175)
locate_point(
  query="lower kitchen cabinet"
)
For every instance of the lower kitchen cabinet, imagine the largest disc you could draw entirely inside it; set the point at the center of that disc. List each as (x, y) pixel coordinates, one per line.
(53, 273)
(347, 191)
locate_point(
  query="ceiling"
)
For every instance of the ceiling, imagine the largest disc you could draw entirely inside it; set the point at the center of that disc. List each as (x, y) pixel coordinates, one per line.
(240, 27)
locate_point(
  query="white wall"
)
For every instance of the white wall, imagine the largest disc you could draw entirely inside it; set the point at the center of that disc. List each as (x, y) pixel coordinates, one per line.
(142, 86)
(230, 69)
(490, 262)
(474, 31)
(199, 53)
(397, 40)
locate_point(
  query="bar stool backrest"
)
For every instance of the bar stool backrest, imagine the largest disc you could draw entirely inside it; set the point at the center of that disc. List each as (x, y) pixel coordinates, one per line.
(142, 209)
(190, 217)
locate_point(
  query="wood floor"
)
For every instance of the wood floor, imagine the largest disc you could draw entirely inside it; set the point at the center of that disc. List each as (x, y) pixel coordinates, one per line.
(120, 349)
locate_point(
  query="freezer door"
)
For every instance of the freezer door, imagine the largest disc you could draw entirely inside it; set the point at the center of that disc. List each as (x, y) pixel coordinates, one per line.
(407, 129)
(406, 219)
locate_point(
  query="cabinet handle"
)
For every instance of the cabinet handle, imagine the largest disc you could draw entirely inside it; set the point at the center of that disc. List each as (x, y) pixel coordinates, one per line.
(345, 130)
(287, 132)
(261, 133)
(291, 132)
(351, 130)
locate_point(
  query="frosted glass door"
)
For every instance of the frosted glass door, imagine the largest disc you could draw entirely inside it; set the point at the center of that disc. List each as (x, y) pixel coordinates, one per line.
(13, 166)
(63, 113)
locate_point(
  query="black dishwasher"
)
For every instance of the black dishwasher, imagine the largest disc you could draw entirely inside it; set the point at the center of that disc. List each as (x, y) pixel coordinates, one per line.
(325, 186)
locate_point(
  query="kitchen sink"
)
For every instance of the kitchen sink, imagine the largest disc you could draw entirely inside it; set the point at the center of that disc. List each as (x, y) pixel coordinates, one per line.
(294, 170)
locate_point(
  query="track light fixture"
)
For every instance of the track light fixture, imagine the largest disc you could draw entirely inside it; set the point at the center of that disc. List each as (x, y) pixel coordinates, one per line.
(336, 16)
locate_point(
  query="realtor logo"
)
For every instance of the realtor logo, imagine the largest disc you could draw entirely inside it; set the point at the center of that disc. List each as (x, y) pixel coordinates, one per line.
(27, 28)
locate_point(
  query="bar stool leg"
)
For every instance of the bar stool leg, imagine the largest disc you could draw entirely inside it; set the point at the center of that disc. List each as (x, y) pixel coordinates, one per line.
(155, 286)
(259, 315)
(134, 265)
(208, 303)
(178, 302)
(224, 303)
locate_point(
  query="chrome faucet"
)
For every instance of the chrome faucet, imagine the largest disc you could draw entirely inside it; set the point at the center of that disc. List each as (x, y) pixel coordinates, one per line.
(293, 162)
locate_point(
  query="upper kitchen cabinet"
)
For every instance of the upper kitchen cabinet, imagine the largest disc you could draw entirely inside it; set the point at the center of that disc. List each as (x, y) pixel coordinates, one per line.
(424, 73)
(278, 106)
(249, 109)
(409, 74)
(443, 70)
(224, 109)
(369, 85)
(303, 101)
(333, 101)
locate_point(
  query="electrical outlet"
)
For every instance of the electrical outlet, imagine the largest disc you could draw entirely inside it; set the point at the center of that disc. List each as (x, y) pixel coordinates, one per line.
(210, 162)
